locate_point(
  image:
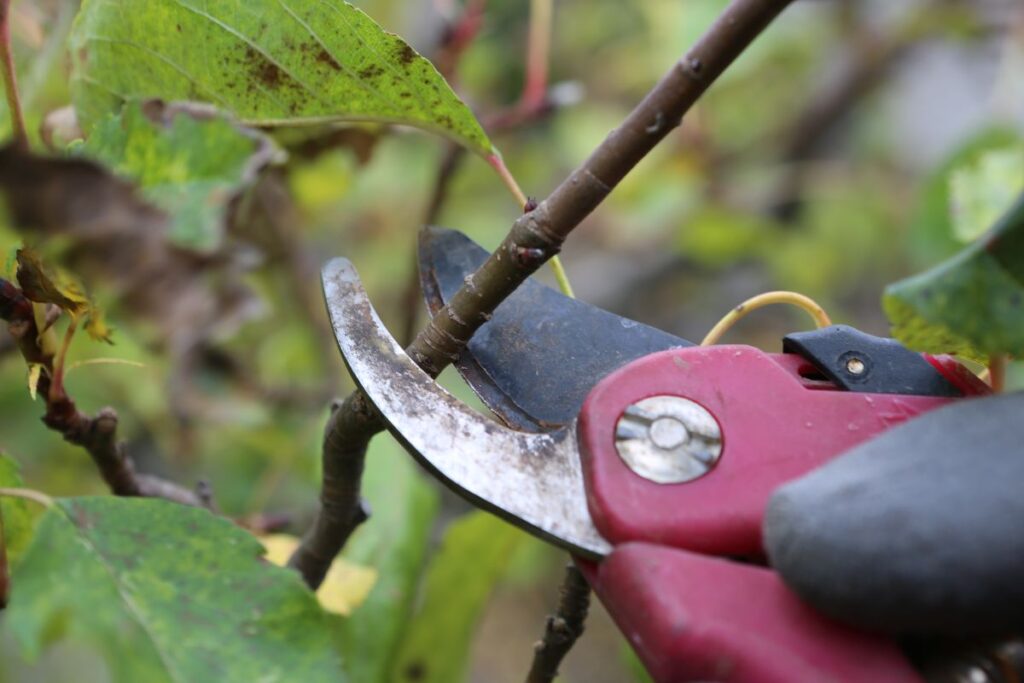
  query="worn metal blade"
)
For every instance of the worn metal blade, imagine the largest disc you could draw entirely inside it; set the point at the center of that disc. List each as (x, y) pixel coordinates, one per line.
(534, 481)
(541, 353)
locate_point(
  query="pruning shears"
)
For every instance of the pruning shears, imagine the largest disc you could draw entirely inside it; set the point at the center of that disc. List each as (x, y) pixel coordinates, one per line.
(651, 460)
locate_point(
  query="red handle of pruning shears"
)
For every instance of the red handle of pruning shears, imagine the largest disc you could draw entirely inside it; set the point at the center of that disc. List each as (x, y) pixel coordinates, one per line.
(696, 618)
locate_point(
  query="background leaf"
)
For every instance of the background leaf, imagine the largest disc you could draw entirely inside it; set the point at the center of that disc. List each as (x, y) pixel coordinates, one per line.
(270, 62)
(932, 237)
(972, 304)
(472, 559)
(394, 541)
(183, 591)
(346, 584)
(18, 518)
(165, 150)
(980, 192)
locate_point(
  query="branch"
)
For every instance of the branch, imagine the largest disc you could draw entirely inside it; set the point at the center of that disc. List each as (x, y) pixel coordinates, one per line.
(351, 426)
(10, 77)
(563, 627)
(538, 235)
(97, 435)
(5, 577)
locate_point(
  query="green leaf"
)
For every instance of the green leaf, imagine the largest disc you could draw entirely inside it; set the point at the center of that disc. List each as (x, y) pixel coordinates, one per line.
(972, 304)
(166, 151)
(167, 593)
(394, 541)
(981, 191)
(270, 62)
(471, 561)
(931, 231)
(18, 518)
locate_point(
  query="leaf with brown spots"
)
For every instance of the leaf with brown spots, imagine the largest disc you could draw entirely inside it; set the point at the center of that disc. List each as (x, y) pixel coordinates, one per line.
(269, 62)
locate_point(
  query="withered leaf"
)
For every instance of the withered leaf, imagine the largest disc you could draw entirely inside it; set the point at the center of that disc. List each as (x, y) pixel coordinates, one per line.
(114, 236)
(48, 284)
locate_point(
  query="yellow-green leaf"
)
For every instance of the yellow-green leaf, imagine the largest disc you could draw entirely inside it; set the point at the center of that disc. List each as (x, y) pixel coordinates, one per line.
(270, 62)
(472, 559)
(165, 150)
(168, 594)
(17, 513)
(981, 191)
(344, 588)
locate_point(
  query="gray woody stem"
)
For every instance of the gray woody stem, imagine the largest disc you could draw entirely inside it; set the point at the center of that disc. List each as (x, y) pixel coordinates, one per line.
(535, 238)
(563, 627)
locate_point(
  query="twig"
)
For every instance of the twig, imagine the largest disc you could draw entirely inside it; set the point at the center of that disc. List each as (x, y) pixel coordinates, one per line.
(562, 628)
(97, 435)
(457, 37)
(864, 66)
(538, 235)
(10, 78)
(346, 437)
(5, 577)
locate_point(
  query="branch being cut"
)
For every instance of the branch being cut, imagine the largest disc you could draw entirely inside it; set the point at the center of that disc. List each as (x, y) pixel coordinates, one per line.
(563, 628)
(97, 435)
(538, 235)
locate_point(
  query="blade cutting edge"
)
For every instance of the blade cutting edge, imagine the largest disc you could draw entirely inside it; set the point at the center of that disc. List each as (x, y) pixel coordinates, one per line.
(535, 481)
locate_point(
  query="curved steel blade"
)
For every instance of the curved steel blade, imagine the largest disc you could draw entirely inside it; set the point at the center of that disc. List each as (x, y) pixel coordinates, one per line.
(532, 480)
(541, 353)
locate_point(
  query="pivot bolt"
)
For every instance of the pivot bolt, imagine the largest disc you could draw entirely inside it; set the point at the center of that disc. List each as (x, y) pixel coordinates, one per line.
(668, 439)
(855, 366)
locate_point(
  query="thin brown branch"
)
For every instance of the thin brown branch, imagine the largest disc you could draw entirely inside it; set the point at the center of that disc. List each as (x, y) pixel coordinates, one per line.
(863, 65)
(562, 628)
(5, 577)
(9, 76)
(97, 435)
(348, 432)
(539, 234)
(457, 38)
(534, 239)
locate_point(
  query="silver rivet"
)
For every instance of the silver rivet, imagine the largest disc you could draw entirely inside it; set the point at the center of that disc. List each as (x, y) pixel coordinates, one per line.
(977, 675)
(855, 366)
(668, 439)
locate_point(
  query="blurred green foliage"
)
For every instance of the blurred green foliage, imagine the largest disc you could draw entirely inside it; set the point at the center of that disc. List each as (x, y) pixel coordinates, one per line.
(752, 193)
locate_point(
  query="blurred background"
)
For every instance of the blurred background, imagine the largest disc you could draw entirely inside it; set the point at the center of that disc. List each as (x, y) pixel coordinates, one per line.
(821, 162)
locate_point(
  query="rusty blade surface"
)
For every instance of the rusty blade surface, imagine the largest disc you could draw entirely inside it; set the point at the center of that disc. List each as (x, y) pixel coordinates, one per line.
(532, 480)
